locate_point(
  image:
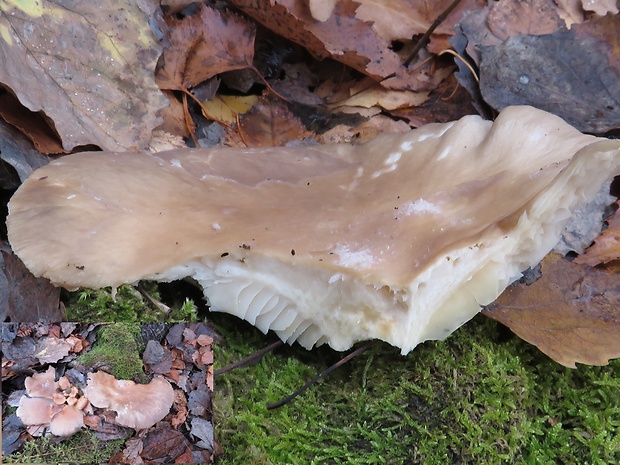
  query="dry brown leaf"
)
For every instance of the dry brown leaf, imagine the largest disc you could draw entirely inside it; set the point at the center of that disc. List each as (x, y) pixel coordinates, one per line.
(365, 95)
(180, 401)
(572, 74)
(88, 66)
(271, 124)
(364, 132)
(448, 102)
(606, 247)
(32, 125)
(203, 45)
(132, 451)
(534, 17)
(402, 19)
(174, 118)
(572, 313)
(342, 37)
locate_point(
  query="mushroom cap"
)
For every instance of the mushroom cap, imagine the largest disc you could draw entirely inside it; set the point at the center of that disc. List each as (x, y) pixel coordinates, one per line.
(67, 422)
(401, 239)
(41, 384)
(34, 410)
(136, 405)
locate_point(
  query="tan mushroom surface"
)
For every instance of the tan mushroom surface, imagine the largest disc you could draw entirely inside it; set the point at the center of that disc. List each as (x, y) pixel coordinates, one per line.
(136, 405)
(44, 405)
(401, 239)
(41, 384)
(67, 421)
(35, 410)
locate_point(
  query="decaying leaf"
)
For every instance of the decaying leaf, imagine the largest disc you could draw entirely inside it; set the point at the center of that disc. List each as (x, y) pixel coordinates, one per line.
(29, 298)
(572, 313)
(366, 95)
(403, 19)
(271, 124)
(227, 107)
(51, 350)
(32, 125)
(532, 17)
(88, 66)
(204, 45)
(565, 73)
(342, 37)
(17, 151)
(606, 247)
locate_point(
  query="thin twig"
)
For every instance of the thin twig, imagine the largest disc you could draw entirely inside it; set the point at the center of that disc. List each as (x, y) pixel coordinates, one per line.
(424, 39)
(314, 380)
(249, 358)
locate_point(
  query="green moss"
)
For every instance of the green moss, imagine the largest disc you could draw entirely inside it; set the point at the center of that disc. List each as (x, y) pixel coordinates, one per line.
(481, 396)
(470, 399)
(127, 305)
(117, 351)
(83, 447)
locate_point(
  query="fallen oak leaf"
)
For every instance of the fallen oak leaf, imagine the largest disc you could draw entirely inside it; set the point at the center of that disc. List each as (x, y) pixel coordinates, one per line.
(571, 313)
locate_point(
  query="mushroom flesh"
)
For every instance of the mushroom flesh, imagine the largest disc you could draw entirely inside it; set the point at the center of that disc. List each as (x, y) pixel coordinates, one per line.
(137, 406)
(403, 238)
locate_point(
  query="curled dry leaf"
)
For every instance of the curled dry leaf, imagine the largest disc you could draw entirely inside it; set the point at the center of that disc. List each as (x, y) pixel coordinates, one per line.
(88, 68)
(571, 313)
(203, 45)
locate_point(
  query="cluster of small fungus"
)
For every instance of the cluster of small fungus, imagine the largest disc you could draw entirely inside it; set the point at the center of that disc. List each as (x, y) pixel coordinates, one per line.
(60, 406)
(54, 404)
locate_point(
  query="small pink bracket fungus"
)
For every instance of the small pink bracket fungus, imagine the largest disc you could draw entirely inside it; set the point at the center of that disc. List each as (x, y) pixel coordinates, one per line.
(402, 239)
(137, 406)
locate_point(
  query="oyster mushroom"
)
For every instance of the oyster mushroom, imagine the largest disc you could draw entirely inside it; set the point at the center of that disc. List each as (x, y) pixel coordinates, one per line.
(41, 384)
(67, 421)
(44, 405)
(137, 406)
(402, 239)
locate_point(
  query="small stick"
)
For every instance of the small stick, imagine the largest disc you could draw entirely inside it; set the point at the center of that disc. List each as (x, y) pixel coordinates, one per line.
(424, 39)
(342, 361)
(249, 358)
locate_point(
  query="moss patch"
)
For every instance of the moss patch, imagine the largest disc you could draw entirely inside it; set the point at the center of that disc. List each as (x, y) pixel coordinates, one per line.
(83, 447)
(481, 396)
(117, 351)
(127, 305)
(474, 398)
